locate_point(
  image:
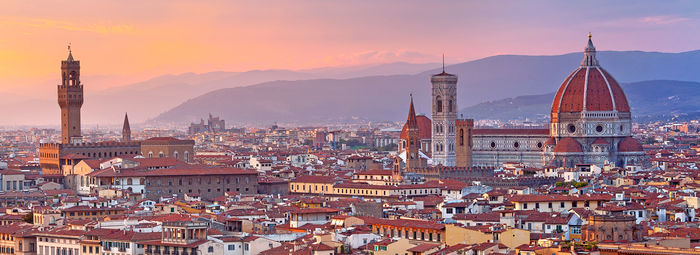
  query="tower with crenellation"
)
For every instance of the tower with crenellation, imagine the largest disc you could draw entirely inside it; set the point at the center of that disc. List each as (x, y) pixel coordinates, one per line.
(70, 99)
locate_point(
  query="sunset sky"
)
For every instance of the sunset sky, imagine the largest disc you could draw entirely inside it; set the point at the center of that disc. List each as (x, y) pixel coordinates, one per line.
(128, 41)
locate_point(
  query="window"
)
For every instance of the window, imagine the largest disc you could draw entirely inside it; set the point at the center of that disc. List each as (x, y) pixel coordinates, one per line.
(210, 249)
(231, 247)
(246, 247)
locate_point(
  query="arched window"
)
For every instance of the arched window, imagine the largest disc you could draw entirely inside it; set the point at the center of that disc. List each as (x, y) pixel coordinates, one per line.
(438, 101)
(187, 156)
(176, 154)
(461, 137)
(150, 154)
(129, 182)
(160, 154)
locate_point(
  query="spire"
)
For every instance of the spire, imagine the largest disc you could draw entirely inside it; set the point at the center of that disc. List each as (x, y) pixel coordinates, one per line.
(70, 54)
(411, 122)
(443, 62)
(126, 129)
(589, 58)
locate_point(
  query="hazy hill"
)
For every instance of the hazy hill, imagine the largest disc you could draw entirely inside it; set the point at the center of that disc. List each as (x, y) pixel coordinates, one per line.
(648, 99)
(146, 99)
(386, 97)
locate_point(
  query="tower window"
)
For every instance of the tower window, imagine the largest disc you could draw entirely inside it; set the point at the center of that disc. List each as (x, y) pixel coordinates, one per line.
(450, 105)
(439, 104)
(461, 137)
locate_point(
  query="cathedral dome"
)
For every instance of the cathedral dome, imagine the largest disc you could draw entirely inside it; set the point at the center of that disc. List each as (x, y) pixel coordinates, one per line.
(568, 144)
(629, 144)
(589, 88)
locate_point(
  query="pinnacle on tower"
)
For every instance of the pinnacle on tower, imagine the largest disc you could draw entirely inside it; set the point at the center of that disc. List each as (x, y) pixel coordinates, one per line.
(70, 54)
(443, 63)
(589, 58)
(411, 122)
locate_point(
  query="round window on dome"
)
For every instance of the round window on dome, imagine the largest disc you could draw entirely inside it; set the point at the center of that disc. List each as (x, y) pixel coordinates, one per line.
(572, 128)
(493, 144)
(539, 145)
(516, 145)
(599, 128)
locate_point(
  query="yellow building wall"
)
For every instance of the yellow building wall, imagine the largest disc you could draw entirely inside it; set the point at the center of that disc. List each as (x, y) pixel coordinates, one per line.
(457, 235)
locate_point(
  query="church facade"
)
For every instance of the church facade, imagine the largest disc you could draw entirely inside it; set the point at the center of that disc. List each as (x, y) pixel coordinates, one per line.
(590, 124)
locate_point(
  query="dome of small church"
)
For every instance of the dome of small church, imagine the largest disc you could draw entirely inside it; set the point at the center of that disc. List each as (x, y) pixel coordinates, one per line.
(600, 141)
(629, 144)
(590, 88)
(424, 128)
(568, 144)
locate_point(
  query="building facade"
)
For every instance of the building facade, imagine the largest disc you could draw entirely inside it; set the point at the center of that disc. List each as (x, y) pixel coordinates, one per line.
(159, 147)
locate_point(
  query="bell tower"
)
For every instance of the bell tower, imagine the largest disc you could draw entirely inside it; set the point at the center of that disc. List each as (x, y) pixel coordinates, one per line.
(70, 99)
(444, 113)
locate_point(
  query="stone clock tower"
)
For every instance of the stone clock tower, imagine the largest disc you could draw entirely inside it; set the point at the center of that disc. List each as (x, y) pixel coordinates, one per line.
(70, 99)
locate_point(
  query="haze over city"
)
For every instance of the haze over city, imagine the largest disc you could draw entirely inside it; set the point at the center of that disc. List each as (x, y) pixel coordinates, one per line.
(125, 45)
(350, 127)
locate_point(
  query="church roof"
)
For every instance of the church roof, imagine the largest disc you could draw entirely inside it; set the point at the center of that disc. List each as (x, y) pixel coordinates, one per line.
(629, 144)
(601, 141)
(424, 128)
(590, 88)
(568, 144)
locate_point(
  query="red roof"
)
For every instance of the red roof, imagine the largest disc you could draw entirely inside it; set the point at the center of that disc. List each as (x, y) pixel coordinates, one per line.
(592, 88)
(551, 141)
(424, 128)
(568, 144)
(629, 144)
(600, 141)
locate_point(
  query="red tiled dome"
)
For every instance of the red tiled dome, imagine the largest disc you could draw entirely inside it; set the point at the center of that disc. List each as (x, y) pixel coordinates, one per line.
(629, 144)
(568, 144)
(425, 130)
(600, 141)
(590, 88)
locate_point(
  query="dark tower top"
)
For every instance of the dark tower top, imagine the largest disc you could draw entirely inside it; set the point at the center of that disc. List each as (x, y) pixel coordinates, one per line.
(70, 70)
(126, 129)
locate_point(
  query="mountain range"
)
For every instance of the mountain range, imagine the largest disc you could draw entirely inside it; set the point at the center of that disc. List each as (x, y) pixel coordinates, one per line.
(649, 100)
(376, 93)
(485, 80)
